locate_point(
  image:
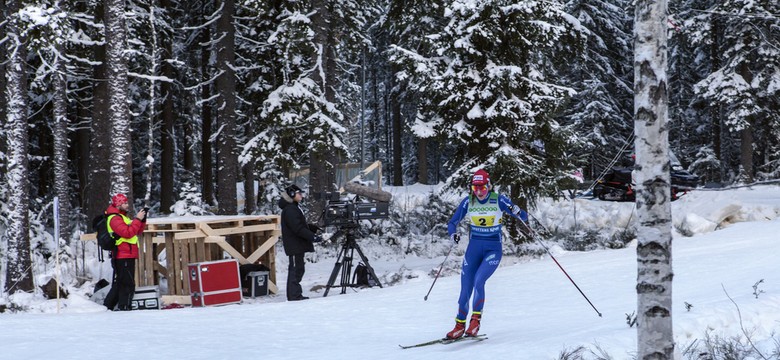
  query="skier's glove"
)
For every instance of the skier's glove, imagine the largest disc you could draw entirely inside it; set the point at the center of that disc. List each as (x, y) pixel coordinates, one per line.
(317, 238)
(455, 238)
(520, 213)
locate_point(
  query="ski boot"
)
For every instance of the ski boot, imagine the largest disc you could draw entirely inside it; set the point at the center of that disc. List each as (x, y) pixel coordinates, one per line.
(474, 324)
(460, 327)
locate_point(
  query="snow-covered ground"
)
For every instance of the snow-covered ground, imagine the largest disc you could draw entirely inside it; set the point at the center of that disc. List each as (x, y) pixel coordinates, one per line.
(532, 310)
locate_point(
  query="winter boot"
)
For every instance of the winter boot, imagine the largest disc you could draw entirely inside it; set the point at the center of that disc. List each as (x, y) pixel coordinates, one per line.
(474, 324)
(460, 327)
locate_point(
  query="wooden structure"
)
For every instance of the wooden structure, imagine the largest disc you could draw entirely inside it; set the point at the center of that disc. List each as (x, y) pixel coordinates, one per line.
(249, 239)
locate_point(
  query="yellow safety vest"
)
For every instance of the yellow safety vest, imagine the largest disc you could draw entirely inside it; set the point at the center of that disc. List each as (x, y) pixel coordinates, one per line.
(128, 221)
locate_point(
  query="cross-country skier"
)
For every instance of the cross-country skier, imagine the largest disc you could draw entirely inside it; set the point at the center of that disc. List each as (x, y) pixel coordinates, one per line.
(485, 209)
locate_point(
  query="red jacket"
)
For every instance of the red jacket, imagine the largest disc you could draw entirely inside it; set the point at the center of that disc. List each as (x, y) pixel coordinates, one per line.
(136, 228)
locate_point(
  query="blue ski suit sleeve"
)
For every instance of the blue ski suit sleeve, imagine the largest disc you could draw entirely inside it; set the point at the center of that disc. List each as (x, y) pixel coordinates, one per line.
(460, 213)
(506, 205)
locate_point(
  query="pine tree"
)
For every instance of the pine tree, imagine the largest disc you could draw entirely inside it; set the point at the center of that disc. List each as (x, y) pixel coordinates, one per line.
(489, 89)
(116, 58)
(746, 85)
(99, 181)
(227, 158)
(404, 27)
(601, 111)
(693, 133)
(19, 276)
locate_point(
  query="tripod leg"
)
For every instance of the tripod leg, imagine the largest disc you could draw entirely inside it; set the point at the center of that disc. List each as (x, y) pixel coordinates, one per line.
(346, 270)
(335, 271)
(368, 266)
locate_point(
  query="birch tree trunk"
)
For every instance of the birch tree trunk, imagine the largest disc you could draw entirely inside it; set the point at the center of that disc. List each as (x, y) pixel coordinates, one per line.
(653, 202)
(227, 157)
(19, 276)
(121, 145)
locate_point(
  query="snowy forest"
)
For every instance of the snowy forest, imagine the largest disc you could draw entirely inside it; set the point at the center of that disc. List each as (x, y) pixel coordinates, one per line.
(182, 104)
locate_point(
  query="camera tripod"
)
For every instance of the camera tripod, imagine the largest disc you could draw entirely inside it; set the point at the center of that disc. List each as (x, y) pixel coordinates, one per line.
(344, 261)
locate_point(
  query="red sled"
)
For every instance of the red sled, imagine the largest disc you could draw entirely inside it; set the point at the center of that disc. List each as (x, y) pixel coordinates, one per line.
(215, 283)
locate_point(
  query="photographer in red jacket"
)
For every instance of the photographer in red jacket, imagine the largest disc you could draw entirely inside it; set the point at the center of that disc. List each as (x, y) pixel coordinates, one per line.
(123, 258)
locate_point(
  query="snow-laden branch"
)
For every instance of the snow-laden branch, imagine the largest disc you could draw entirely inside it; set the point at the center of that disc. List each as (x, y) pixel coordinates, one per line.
(210, 98)
(150, 77)
(213, 41)
(207, 82)
(212, 18)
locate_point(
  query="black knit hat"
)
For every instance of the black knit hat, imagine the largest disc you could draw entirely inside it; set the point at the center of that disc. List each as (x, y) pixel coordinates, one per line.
(292, 190)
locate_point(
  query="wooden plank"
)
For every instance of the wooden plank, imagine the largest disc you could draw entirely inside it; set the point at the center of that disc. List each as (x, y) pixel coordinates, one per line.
(171, 226)
(189, 235)
(170, 272)
(174, 282)
(158, 240)
(185, 262)
(193, 254)
(200, 250)
(160, 269)
(139, 264)
(239, 230)
(272, 287)
(148, 258)
(229, 249)
(268, 244)
(270, 261)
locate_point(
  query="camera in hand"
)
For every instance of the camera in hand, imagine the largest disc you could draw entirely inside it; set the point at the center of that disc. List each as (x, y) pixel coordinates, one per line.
(146, 213)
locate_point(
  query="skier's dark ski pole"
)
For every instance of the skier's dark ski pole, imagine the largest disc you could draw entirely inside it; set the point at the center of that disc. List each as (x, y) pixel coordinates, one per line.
(439, 273)
(533, 235)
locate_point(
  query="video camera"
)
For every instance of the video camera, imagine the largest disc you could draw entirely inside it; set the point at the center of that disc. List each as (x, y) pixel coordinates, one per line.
(343, 210)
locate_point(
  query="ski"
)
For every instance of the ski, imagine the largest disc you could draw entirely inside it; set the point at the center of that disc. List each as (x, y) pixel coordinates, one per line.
(446, 341)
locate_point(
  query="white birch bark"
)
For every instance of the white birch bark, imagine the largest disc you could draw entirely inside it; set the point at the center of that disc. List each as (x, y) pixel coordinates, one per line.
(19, 275)
(121, 145)
(654, 249)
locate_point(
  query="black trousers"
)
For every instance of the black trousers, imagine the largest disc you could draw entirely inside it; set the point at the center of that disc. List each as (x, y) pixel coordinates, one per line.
(123, 286)
(112, 296)
(294, 276)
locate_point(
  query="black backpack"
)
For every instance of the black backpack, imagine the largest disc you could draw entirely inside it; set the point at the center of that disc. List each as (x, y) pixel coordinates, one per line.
(106, 240)
(361, 275)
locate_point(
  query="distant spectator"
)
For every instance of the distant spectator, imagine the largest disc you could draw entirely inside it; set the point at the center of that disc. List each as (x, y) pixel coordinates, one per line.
(298, 238)
(123, 258)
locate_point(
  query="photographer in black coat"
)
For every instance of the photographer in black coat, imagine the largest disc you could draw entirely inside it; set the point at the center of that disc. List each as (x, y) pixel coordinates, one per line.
(298, 238)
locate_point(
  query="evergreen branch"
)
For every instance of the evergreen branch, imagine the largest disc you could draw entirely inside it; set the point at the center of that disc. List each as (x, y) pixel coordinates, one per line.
(211, 19)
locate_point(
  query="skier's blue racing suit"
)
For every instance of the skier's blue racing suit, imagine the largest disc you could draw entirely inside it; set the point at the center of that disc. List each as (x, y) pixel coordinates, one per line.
(483, 253)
